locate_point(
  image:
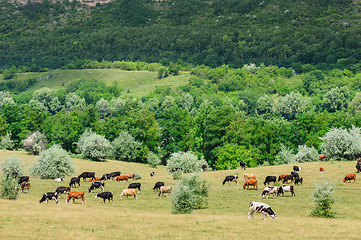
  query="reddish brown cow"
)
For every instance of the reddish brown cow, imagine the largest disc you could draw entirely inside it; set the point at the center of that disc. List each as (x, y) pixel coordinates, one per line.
(322, 169)
(322, 156)
(350, 177)
(94, 179)
(281, 177)
(122, 177)
(75, 195)
(25, 185)
(251, 182)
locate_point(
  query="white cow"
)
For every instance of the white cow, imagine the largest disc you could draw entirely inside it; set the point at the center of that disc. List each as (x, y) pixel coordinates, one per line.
(269, 190)
(261, 208)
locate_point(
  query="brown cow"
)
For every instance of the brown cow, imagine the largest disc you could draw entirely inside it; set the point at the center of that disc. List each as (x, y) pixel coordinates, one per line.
(164, 189)
(322, 156)
(122, 177)
(350, 177)
(322, 169)
(94, 179)
(248, 176)
(129, 192)
(280, 177)
(287, 178)
(25, 185)
(251, 182)
(75, 195)
(131, 175)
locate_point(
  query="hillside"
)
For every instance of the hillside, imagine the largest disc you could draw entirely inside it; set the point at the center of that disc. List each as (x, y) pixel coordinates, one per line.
(225, 218)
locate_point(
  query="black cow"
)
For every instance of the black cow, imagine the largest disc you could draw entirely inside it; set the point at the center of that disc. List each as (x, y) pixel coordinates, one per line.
(158, 185)
(177, 169)
(96, 185)
(61, 190)
(115, 174)
(49, 196)
(298, 180)
(151, 174)
(230, 179)
(86, 175)
(105, 195)
(270, 179)
(135, 185)
(294, 174)
(242, 165)
(23, 179)
(358, 167)
(204, 168)
(287, 178)
(106, 176)
(296, 168)
(73, 181)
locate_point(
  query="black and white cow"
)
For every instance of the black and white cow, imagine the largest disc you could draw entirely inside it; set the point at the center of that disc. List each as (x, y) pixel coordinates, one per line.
(270, 179)
(204, 168)
(106, 176)
(158, 185)
(286, 188)
(177, 169)
(151, 174)
(358, 167)
(298, 180)
(86, 175)
(23, 179)
(242, 165)
(296, 168)
(294, 174)
(96, 185)
(261, 208)
(115, 174)
(73, 181)
(269, 190)
(62, 190)
(135, 185)
(231, 178)
(105, 195)
(49, 196)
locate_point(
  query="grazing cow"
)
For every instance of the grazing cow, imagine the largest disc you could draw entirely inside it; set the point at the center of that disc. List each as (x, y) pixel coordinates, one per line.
(298, 180)
(164, 189)
(152, 174)
(248, 176)
(261, 208)
(242, 165)
(131, 176)
(122, 177)
(73, 181)
(23, 179)
(49, 196)
(286, 188)
(62, 190)
(177, 169)
(59, 179)
(75, 195)
(322, 169)
(231, 179)
(269, 190)
(135, 185)
(115, 174)
(281, 177)
(129, 192)
(94, 179)
(105, 195)
(322, 156)
(25, 185)
(106, 176)
(86, 175)
(287, 178)
(296, 168)
(96, 185)
(294, 174)
(358, 167)
(350, 177)
(250, 182)
(270, 179)
(158, 185)
(204, 168)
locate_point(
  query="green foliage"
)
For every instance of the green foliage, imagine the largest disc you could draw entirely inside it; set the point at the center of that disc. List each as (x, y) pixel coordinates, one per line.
(230, 155)
(12, 167)
(5, 98)
(291, 105)
(177, 175)
(9, 188)
(190, 194)
(35, 142)
(125, 147)
(137, 176)
(306, 154)
(74, 102)
(265, 106)
(323, 197)
(10, 73)
(6, 142)
(336, 99)
(284, 156)
(45, 99)
(153, 160)
(93, 146)
(185, 160)
(54, 162)
(103, 107)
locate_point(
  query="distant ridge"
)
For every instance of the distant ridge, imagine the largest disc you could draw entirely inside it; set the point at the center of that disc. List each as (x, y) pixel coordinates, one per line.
(86, 2)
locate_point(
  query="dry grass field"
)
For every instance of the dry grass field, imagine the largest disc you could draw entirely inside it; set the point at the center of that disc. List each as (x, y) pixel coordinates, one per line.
(150, 216)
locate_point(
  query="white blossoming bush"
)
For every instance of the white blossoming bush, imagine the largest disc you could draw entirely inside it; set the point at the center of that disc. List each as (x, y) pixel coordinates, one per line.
(284, 156)
(12, 167)
(93, 146)
(185, 160)
(306, 154)
(35, 142)
(125, 147)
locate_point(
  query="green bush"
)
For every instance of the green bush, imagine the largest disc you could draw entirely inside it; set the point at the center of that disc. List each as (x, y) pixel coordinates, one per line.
(125, 147)
(53, 163)
(284, 156)
(306, 154)
(137, 176)
(9, 188)
(6, 142)
(153, 160)
(323, 199)
(185, 160)
(12, 166)
(93, 146)
(177, 175)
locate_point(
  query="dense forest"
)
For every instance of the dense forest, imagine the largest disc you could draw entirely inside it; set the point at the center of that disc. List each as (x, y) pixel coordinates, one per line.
(285, 33)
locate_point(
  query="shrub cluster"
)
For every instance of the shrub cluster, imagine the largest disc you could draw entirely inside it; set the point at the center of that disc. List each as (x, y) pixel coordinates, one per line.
(12, 167)
(323, 199)
(185, 160)
(93, 146)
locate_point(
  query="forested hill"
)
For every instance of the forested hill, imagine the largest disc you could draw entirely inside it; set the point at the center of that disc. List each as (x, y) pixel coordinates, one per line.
(324, 33)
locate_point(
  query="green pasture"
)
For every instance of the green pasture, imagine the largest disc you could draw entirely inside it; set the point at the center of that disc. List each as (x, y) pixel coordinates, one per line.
(150, 216)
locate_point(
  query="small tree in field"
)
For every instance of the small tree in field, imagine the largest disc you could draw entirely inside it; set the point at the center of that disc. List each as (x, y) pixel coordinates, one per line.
(12, 166)
(6, 142)
(93, 146)
(35, 142)
(53, 163)
(153, 160)
(9, 188)
(185, 160)
(323, 199)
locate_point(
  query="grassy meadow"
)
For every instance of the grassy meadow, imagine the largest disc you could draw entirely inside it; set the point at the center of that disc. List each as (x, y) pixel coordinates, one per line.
(150, 216)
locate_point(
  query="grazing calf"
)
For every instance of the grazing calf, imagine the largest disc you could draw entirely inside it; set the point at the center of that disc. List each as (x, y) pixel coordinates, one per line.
(287, 178)
(96, 185)
(75, 195)
(269, 190)
(231, 179)
(105, 195)
(86, 175)
(248, 176)
(73, 181)
(281, 177)
(350, 177)
(62, 190)
(151, 174)
(25, 185)
(158, 185)
(49, 196)
(122, 178)
(135, 185)
(322, 156)
(261, 208)
(296, 168)
(204, 168)
(298, 180)
(286, 188)
(242, 165)
(129, 192)
(270, 179)
(23, 179)
(250, 182)
(164, 189)
(322, 169)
